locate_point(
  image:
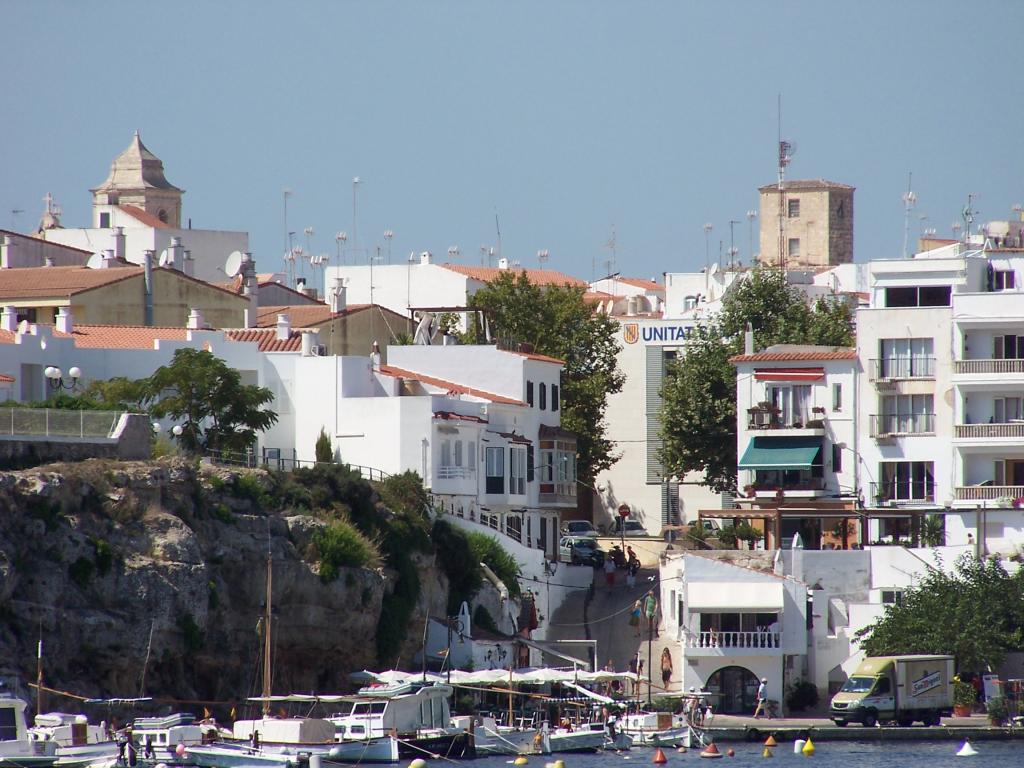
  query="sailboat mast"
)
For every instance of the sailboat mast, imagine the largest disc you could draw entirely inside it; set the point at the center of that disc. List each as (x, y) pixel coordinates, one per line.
(266, 637)
(39, 675)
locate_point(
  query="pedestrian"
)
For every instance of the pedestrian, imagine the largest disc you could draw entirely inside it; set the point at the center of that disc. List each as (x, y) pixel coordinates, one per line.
(666, 668)
(762, 699)
(650, 610)
(609, 572)
(632, 568)
(634, 618)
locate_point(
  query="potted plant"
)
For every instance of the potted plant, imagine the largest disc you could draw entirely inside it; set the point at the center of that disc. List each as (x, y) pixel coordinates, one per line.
(963, 697)
(995, 708)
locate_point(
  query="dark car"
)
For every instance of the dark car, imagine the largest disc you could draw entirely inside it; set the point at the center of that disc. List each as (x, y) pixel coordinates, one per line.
(581, 550)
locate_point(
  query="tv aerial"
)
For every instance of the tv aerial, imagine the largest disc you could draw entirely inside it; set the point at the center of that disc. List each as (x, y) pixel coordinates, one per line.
(234, 263)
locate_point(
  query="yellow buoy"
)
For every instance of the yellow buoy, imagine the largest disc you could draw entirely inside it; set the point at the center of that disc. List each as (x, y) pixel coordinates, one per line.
(419, 762)
(559, 763)
(808, 748)
(770, 741)
(767, 752)
(520, 761)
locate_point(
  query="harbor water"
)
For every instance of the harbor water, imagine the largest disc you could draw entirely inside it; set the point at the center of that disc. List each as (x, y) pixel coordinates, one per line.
(846, 754)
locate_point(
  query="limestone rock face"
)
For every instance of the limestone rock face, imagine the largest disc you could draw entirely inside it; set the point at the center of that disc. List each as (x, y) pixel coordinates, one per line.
(111, 563)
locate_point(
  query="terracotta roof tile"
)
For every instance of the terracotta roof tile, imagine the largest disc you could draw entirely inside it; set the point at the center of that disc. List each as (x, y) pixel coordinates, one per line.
(142, 217)
(450, 386)
(303, 315)
(5, 379)
(640, 282)
(535, 276)
(266, 339)
(44, 282)
(538, 357)
(123, 336)
(781, 356)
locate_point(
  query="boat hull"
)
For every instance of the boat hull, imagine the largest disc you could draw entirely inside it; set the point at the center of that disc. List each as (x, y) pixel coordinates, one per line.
(455, 746)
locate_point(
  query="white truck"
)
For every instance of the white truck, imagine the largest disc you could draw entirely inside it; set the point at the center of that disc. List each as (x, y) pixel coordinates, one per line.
(903, 689)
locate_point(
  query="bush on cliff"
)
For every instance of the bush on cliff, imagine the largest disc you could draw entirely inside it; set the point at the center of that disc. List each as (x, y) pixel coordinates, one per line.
(341, 545)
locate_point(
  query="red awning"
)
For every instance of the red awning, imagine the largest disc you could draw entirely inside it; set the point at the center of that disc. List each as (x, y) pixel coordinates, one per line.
(789, 374)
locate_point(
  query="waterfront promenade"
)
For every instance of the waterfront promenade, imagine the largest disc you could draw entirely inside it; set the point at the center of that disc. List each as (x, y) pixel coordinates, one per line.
(727, 728)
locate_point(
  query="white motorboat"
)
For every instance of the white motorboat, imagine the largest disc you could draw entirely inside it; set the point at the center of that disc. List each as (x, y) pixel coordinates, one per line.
(492, 738)
(17, 747)
(76, 738)
(586, 737)
(655, 729)
(162, 739)
(291, 737)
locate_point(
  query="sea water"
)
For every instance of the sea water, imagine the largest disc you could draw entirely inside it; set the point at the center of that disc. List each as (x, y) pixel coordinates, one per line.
(827, 754)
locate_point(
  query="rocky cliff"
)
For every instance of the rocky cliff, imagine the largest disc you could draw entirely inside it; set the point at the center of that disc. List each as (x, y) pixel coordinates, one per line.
(151, 577)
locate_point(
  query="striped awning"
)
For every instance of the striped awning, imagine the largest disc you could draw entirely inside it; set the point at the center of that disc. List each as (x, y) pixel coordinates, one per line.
(789, 374)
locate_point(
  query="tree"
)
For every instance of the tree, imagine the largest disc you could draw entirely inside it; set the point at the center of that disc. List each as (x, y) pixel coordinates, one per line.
(974, 613)
(699, 394)
(324, 451)
(218, 411)
(556, 321)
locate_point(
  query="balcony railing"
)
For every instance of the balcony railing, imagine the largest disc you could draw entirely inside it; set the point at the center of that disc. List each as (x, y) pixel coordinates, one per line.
(988, 492)
(772, 418)
(886, 424)
(454, 473)
(888, 368)
(903, 492)
(51, 422)
(732, 640)
(996, 431)
(988, 366)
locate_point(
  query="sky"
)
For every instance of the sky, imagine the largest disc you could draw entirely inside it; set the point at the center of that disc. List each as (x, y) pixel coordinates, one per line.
(559, 122)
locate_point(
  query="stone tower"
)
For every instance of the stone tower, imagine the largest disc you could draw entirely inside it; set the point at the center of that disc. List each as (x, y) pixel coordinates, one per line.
(137, 178)
(816, 224)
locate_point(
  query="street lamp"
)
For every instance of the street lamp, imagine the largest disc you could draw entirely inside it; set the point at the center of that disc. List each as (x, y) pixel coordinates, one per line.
(340, 238)
(55, 377)
(751, 215)
(389, 236)
(454, 623)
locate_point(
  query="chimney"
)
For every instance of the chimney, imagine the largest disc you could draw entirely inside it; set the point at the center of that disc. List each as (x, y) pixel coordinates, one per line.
(339, 301)
(375, 357)
(502, 263)
(250, 289)
(9, 319)
(309, 338)
(175, 254)
(7, 244)
(284, 327)
(426, 258)
(63, 322)
(119, 241)
(748, 340)
(108, 259)
(48, 261)
(631, 304)
(147, 287)
(195, 320)
(189, 264)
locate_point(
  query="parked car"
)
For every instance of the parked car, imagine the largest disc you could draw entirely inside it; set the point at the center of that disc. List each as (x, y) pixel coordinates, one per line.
(579, 528)
(580, 550)
(628, 527)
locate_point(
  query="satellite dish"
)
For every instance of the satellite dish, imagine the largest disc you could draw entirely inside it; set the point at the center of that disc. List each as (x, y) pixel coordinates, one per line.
(233, 264)
(95, 261)
(164, 259)
(23, 326)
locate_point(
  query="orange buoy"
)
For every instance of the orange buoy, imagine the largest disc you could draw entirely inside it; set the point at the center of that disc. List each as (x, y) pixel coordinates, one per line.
(711, 750)
(770, 741)
(659, 757)
(731, 752)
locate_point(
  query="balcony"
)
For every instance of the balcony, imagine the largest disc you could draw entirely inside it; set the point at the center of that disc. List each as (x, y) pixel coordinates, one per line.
(766, 416)
(899, 368)
(1010, 431)
(987, 367)
(561, 493)
(886, 425)
(984, 492)
(903, 493)
(718, 643)
(454, 473)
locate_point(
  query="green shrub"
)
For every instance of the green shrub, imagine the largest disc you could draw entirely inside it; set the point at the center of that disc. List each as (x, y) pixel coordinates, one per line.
(248, 486)
(222, 513)
(801, 695)
(453, 554)
(487, 549)
(482, 618)
(104, 556)
(192, 636)
(212, 596)
(81, 571)
(324, 450)
(341, 545)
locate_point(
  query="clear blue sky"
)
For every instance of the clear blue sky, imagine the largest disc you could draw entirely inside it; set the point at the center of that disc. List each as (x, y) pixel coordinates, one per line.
(565, 118)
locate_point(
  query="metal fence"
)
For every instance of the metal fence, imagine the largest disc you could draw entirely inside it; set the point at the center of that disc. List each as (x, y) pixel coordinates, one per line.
(54, 422)
(271, 458)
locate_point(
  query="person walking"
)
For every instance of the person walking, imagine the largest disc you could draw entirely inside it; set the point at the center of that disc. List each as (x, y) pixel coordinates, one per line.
(650, 611)
(666, 668)
(634, 618)
(609, 572)
(632, 568)
(762, 699)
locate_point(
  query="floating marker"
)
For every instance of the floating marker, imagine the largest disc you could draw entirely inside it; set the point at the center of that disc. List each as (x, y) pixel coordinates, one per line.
(681, 750)
(711, 750)
(731, 752)
(520, 761)
(967, 750)
(419, 762)
(767, 752)
(770, 741)
(659, 757)
(808, 748)
(798, 746)
(559, 763)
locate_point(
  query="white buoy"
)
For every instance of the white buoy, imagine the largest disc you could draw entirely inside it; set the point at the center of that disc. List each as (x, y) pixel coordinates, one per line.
(967, 750)
(419, 762)
(798, 746)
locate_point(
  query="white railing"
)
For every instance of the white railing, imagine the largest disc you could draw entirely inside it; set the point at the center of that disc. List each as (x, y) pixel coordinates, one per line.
(989, 492)
(54, 422)
(718, 639)
(989, 430)
(453, 473)
(988, 366)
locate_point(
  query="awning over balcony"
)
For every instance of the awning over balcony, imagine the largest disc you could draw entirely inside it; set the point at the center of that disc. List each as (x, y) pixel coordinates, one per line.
(800, 452)
(789, 374)
(734, 597)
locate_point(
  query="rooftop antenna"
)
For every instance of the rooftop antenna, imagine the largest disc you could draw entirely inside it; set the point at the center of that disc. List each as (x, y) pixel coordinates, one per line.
(285, 194)
(542, 257)
(968, 216)
(308, 232)
(355, 234)
(15, 213)
(786, 152)
(909, 199)
(733, 250)
(497, 226)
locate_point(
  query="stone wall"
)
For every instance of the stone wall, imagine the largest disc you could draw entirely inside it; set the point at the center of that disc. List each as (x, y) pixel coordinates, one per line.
(132, 440)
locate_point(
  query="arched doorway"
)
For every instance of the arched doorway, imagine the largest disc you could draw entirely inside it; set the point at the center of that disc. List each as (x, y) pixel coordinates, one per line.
(737, 689)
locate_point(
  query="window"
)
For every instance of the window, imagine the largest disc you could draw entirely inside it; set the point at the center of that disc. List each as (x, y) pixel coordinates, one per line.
(907, 481)
(1006, 409)
(793, 248)
(104, 221)
(446, 453)
(907, 359)
(458, 453)
(837, 458)
(892, 596)
(793, 403)
(906, 414)
(162, 215)
(918, 296)
(543, 396)
(1008, 347)
(837, 397)
(471, 456)
(841, 210)
(793, 208)
(1002, 280)
(517, 471)
(554, 397)
(529, 393)
(495, 469)
(530, 461)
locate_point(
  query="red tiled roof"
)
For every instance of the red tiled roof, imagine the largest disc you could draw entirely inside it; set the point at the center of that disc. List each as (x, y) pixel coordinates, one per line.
(142, 217)
(448, 416)
(640, 282)
(5, 379)
(826, 353)
(303, 315)
(266, 339)
(123, 336)
(538, 357)
(595, 296)
(450, 386)
(535, 276)
(46, 282)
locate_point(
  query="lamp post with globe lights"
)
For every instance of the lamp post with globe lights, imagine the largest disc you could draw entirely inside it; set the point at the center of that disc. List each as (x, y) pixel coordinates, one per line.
(57, 381)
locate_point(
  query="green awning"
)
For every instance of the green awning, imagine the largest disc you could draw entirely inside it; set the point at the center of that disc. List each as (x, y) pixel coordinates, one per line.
(782, 453)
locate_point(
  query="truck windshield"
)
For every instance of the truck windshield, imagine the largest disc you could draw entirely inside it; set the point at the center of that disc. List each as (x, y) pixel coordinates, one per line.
(858, 685)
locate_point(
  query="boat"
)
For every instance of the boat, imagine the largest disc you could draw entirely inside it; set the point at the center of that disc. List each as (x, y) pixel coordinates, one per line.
(493, 738)
(163, 739)
(77, 739)
(291, 738)
(656, 729)
(17, 747)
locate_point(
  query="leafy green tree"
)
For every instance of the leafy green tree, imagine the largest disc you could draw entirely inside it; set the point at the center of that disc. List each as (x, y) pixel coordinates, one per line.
(557, 322)
(219, 411)
(699, 394)
(975, 613)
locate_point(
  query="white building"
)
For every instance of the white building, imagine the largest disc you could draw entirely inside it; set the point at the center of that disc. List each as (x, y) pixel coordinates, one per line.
(137, 210)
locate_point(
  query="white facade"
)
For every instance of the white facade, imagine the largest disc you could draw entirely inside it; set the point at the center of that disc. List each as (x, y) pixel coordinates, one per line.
(417, 283)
